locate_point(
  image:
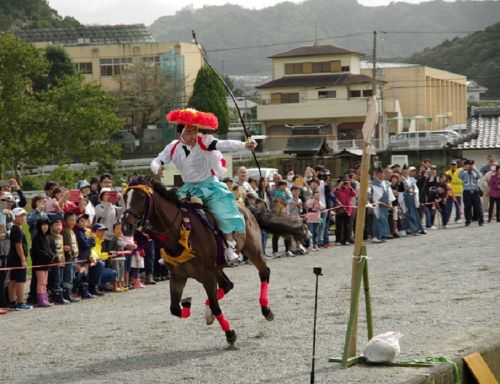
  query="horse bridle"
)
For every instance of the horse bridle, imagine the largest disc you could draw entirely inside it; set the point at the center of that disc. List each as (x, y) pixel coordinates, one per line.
(143, 220)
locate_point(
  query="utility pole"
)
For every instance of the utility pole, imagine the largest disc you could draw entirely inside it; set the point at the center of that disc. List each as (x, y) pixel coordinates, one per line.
(374, 62)
(378, 130)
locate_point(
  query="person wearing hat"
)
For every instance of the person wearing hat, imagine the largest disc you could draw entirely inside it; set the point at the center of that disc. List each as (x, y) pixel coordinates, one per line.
(396, 168)
(87, 266)
(17, 259)
(471, 192)
(457, 187)
(382, 197)
(409, 202)
(100, 252)
(11, 186)
(200, 162)
(6, 219)
(85, 205)
(108, 213)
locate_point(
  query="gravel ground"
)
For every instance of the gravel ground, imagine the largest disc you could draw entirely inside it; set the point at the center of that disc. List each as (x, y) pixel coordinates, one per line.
(441, 291)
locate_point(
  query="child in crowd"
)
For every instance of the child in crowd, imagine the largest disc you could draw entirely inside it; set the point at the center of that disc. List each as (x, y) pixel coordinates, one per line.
(70, 255)
(295, 208)
(129, 246)
(117, 245)
(250, 201)
(17, 258)
(438, 195)
(55, 204)
(137, 258)
(281, 197)
(237, 196)
(100, 274)
(41, 254)
(344, 194)
(85, 240)
(56, 243)
(6, 204)
(314, 206)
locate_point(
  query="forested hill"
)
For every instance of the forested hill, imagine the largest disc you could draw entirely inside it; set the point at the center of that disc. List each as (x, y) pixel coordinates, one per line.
(341, 22)
(31, 14)
(477, 56)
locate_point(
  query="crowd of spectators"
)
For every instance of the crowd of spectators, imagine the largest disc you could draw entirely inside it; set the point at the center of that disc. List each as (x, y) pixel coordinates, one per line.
(402, 200)
(78, 251)
(77, 248)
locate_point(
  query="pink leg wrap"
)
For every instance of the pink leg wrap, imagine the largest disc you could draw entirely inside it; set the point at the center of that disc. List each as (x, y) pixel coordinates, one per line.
(224, 324)
(263, 300)
(185, 312)
(220, 295)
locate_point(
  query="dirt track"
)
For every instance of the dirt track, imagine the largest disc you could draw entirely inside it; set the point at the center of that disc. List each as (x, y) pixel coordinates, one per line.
(441, 291)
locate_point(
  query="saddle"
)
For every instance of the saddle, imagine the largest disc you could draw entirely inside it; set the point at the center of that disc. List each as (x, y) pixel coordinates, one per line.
(184, 250)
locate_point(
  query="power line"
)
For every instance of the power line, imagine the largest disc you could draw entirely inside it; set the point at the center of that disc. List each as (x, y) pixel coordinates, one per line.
(335, 37)
(287, 42)
(428, 32)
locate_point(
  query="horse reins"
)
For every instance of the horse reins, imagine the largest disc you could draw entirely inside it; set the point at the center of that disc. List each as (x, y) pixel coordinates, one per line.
(144, 218)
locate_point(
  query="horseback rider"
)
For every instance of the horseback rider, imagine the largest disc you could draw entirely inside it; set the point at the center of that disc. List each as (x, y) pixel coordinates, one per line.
(198, 158)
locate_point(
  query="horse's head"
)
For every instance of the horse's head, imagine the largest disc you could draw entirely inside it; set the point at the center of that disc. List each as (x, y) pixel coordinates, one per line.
(138, 197)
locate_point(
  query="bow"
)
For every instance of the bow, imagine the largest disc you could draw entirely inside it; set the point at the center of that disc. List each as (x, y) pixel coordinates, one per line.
(245, 129)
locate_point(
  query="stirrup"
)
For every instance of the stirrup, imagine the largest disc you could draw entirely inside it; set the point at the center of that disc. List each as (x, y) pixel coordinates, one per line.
(233, 261)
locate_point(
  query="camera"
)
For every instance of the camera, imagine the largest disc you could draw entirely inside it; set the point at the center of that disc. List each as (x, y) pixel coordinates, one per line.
(317, 271)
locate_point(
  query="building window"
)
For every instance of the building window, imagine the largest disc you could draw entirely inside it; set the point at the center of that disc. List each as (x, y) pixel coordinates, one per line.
(293, 68)
(368, 93)
(323, 66)
(112, 67)
(354, 93)
(345, 68)
(327, 94)
(287, 98)
(151, 60)
(84, 68)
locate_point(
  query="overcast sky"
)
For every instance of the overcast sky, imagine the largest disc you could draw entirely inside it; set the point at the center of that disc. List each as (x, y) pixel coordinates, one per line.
(147, 11)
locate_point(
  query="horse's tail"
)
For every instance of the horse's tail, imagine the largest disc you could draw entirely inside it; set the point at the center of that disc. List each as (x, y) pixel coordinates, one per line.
(280, 224)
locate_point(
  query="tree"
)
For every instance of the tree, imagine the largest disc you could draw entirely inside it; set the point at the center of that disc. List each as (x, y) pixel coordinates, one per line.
(70, 119)
(60, 65)
(145, 90)
(25, 14)
(19, 63)
(86, 115)
(236, 91)
(209, 95)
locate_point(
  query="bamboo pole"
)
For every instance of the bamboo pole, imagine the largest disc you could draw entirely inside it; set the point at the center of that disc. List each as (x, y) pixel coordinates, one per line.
(358, 244)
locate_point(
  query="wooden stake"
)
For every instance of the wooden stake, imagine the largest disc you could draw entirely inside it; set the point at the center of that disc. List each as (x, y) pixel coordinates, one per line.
(358, 244)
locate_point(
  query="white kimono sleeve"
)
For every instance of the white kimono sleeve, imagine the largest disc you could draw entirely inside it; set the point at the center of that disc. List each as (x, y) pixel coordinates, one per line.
(223, 145)
(163, 158)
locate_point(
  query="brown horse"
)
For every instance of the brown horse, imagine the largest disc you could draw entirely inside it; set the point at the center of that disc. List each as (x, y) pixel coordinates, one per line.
(150, 204)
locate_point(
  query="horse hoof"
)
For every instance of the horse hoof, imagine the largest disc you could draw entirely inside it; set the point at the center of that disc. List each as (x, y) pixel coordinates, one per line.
(231, 337)
(186, 303)
(209, 316)
(267, 313)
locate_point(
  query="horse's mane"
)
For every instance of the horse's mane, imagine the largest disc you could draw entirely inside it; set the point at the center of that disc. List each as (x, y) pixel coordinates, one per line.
(168, 194)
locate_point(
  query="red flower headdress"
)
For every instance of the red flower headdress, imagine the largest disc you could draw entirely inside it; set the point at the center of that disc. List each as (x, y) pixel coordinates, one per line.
(190, 116)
